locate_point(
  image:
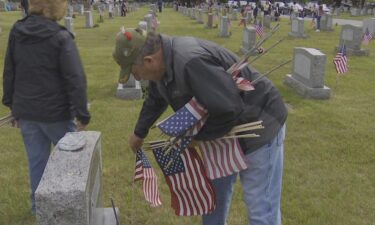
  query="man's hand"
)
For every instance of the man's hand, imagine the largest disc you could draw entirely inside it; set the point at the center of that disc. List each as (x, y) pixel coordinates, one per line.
(15, 123)
(80, 126)
(135, 142)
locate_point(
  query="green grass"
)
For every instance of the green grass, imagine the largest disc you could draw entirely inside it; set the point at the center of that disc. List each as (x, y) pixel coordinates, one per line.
(347, 15)
(329, 174)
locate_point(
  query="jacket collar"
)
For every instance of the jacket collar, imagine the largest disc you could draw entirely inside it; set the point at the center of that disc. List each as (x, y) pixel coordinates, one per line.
(167, 45)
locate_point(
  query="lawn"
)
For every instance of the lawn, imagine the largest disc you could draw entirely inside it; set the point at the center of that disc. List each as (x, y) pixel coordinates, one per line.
(329, 174)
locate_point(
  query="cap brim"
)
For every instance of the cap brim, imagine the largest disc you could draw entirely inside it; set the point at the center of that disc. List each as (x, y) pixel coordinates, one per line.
(124, 74)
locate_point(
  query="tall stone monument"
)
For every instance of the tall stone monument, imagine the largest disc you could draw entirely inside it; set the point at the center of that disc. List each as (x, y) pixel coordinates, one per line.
(70, 190)
(89, 19)
(308, 73)
(224, 27)
(210, 20)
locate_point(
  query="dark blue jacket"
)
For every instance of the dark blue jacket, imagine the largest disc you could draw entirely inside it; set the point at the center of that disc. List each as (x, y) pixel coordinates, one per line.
(198, 68)
(43, 76)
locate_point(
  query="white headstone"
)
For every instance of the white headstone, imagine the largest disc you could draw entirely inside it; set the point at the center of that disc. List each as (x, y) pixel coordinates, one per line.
(224, 27)
(89, 19)
(69, 24)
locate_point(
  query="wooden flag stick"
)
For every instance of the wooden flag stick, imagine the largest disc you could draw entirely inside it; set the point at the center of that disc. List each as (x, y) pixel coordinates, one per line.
(270, 71)
(266, 51)
(6, 119)
(246, 129)
(241, 136)
(248, 124)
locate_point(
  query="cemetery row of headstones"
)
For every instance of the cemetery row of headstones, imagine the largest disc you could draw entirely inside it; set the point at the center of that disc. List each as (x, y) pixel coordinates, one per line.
(79, 9)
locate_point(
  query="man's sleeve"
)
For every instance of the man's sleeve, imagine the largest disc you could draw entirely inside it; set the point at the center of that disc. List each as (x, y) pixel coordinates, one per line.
(215, 89)
(152, 108)
(9, 73)
(74, 77)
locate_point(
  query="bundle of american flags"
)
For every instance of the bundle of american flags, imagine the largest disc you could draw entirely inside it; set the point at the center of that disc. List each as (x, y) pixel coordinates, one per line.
(187, 176)
(367, 36)
(341, 61)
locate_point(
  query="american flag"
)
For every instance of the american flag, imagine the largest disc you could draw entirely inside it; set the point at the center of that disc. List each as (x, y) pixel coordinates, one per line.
(191, 191)
(144, 171)
(226, 153)
(183, 119)
(367, 36)
(222, 157)
(341, 61)
(259, 29)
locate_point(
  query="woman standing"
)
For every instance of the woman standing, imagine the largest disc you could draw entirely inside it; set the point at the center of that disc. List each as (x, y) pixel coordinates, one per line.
(44, 83)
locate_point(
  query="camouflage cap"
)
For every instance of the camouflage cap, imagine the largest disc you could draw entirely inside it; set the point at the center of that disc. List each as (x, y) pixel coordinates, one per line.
(129, 44)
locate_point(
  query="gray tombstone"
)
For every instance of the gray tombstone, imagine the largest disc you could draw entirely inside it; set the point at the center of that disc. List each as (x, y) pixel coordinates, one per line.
(81, 9)
(192, 13)
(326, 22)
(337, 12)
(69, 24)
(298, 28)
(148, 20)
(210, 20)
(70, 11)
(267, 21)
(130, 91)
(2, 6)
(89, 19)
(370, 24)
(308, 73)
(117, 10)
(249, 17)
(70, 190)
(200, 16)
(110, 11)
(370, 11)
(351, 37)
(249, 39)
(142, 25)
(224, 27)
(355, 12)
(363, 12)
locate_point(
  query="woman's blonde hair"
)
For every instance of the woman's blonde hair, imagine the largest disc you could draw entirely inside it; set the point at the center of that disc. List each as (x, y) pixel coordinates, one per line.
(51, 9)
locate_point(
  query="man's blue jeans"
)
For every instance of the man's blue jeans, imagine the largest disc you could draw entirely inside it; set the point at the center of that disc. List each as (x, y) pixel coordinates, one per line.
(261, 184)
(38, 137)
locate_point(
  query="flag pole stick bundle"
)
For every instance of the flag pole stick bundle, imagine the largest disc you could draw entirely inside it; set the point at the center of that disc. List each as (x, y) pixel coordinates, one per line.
(232, 134)
(5, 120)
